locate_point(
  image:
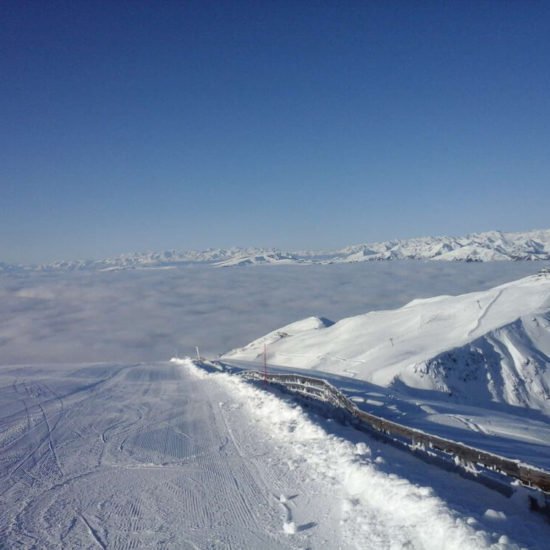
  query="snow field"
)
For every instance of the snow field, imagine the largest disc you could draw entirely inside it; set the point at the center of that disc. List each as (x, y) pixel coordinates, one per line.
(144, 456)
(376, 509)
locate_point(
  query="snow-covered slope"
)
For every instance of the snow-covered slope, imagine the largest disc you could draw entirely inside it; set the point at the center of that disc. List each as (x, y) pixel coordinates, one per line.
(479, 347)
(259, 257)
(477, 247)
(490, 246)
(305, 325)
(165, 455)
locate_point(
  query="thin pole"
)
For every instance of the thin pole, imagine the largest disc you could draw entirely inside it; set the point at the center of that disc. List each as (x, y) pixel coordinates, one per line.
(265, 363)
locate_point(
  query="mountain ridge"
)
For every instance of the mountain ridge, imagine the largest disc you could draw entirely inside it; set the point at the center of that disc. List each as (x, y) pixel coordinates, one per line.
(479, 348)
(475, 247)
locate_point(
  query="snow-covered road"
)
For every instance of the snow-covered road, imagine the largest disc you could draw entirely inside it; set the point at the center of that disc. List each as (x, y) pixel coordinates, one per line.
(163, 455)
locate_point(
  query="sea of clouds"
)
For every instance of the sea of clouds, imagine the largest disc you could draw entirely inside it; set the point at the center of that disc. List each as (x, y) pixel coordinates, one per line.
(144, 315)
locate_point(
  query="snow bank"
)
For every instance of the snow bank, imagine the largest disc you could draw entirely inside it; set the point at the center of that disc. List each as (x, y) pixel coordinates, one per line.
(378, 510)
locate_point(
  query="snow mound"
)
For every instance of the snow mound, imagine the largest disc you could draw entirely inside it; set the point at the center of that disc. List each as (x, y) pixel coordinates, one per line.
(479, 347)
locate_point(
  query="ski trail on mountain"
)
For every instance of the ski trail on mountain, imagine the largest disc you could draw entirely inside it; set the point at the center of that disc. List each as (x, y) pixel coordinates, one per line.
(485, 312)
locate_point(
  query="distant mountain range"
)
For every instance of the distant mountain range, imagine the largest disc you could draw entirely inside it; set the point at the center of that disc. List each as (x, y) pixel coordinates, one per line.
(477, 247)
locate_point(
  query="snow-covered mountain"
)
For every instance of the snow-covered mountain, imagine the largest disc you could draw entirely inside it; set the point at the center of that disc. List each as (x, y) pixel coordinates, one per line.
(477, 247)
(260, 257)
(490, 346)
(490, 246)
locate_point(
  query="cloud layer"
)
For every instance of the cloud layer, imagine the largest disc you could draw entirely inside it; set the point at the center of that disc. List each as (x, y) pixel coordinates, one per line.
(145, 315)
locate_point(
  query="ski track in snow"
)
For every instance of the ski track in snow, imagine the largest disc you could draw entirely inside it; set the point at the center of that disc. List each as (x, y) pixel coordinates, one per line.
(147, 457)
(485, 312)
(166, 456)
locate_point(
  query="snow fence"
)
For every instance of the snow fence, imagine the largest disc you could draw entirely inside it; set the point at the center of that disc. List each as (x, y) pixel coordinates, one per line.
(493, 470)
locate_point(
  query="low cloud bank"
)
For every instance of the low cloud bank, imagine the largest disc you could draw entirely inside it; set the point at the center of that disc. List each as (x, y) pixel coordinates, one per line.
(146, 315)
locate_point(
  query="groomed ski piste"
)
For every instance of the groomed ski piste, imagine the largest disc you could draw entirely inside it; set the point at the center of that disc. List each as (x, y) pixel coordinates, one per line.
(169, 455)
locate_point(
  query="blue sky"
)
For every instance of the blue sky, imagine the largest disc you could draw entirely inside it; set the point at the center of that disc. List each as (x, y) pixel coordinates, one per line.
(153, 125)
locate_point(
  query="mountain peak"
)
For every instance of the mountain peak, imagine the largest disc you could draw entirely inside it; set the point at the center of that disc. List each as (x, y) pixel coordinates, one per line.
(475, 247)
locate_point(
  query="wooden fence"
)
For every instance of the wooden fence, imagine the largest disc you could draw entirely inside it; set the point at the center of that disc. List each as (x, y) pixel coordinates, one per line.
(324, 392)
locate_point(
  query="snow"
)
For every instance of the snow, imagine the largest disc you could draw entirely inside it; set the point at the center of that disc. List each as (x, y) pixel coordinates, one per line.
(142, 456)
(292, 329)
(473, 253)
(471, 368)
(289, 527)
(274, 257)
(477, 247)
(164, 454)
(416, 343)
(377, 509)
(133, 454)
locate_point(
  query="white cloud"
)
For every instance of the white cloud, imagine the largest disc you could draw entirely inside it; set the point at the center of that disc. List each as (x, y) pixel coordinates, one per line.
(146, 315)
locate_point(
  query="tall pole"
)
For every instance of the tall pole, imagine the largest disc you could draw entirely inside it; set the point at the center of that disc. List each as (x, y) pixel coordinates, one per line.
(265, 363)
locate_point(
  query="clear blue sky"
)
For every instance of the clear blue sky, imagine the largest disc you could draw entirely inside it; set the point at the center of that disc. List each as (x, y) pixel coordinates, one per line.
(152, 125)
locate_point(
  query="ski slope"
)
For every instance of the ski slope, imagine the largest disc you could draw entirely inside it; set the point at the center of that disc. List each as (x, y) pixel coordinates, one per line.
(473, 368)
(141, 456)
(165, 456)
(480, 348)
